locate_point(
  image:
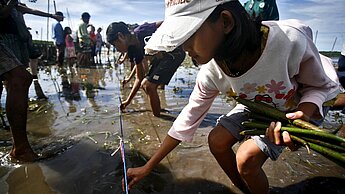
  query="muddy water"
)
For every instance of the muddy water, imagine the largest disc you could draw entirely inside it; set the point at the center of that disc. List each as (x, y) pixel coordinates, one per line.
(77, 129)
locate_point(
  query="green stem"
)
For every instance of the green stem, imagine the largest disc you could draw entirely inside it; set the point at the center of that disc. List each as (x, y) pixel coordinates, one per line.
(325, 144)
(253, 132)
(296, 130)
(264, 109)
(301, 141)
(328, 153)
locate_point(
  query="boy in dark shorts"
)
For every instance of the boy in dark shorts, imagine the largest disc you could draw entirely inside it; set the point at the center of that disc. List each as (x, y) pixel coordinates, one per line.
(163, 65)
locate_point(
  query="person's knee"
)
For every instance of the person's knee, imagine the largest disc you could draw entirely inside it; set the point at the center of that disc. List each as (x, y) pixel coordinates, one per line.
(148, 86)
(217, 143)
(244, 164)
(247, 162)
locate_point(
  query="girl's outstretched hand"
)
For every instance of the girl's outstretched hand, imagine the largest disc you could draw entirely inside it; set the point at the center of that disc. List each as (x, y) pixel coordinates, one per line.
(134, 176)
(124, 82)
(274, 135)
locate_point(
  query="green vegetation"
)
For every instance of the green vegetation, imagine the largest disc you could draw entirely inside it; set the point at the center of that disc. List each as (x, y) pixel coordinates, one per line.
(302, 132)
(42, 42)
(331, 53)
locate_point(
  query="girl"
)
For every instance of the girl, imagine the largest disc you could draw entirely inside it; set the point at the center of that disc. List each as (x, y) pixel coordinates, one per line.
(99, 44)
(274, 61)
(93, 43)
(70, 49)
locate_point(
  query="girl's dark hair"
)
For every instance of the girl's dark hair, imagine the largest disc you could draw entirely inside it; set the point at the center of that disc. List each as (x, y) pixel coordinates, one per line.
(245, 36)
(66, 31)
(114, 28)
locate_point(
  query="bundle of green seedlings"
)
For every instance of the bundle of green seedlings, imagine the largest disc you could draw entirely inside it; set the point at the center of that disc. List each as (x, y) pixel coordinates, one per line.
(301, 132)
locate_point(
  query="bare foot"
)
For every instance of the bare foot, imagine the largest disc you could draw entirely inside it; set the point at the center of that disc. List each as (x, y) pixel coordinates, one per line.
(26, 155)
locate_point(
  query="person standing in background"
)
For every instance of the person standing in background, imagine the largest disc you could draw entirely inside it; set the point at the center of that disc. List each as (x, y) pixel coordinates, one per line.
(84, 54)
(70, 49)
(58, 36)
(93, 42)
(13, 62)
(99, 44)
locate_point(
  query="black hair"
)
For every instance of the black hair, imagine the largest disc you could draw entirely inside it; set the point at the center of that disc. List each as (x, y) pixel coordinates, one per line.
(113, 30)
(59, 13)
(85, 15)
(65, 31)
(244, 37)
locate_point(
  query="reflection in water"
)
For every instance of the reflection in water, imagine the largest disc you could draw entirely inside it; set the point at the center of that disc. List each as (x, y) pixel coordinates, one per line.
(28, 178)
(77, 128)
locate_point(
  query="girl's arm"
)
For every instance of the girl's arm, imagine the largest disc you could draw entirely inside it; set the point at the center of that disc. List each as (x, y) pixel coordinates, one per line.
(126, 80)
(139, 77)
(137, 174)
(122, 58)
(183, 128)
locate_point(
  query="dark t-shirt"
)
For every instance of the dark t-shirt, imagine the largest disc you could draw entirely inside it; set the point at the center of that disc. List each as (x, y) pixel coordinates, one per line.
(136, 53)
(8, 25)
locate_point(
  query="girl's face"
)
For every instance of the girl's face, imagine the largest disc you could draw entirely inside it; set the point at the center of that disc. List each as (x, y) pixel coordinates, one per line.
(120, 43)
(203, 45)
(86, 20)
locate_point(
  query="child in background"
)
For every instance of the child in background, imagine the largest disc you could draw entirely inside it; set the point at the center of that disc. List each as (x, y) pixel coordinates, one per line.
(93, 42)
(271, 61)
(99, 44)
(70, 49)
(162, 67)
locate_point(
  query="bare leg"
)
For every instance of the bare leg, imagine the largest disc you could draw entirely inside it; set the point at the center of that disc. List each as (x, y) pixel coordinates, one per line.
(33, 67)
(18, 83)
(220, 141)
(38, 89)
(151, 91)
(249, 161)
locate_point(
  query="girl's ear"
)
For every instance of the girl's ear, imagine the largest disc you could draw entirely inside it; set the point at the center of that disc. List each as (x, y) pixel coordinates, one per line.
(227, 21)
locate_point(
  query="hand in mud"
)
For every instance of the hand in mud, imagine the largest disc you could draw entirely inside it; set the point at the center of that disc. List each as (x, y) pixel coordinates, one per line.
(134, 176)
(274, 135)
(123, 105)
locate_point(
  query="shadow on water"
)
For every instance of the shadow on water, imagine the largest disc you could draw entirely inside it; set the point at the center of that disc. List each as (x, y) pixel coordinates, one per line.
(84, 168)
(314, 185)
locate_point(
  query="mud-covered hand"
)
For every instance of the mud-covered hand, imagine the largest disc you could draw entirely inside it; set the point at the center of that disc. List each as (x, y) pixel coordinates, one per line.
(123, 105)
(134, 176)
(275, 136)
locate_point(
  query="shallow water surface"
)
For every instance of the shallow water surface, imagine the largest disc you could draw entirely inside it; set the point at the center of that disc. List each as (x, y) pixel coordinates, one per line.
(78, 128)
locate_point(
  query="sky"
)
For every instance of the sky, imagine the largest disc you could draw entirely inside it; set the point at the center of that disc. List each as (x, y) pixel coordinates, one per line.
(325, 17)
